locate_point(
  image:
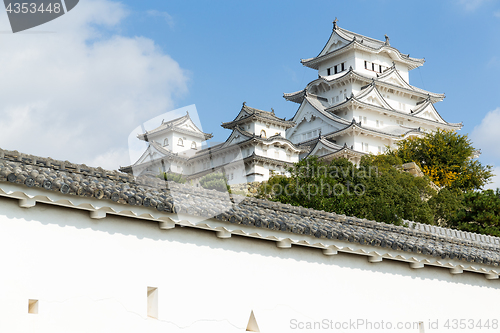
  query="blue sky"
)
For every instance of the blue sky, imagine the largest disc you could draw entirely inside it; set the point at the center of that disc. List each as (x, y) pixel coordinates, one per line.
(217, 54)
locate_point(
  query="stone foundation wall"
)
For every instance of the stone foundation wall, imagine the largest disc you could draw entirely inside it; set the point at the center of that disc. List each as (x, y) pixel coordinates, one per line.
(249, 189)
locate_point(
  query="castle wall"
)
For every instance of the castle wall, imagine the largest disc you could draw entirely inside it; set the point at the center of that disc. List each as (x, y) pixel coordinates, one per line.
(92, 276)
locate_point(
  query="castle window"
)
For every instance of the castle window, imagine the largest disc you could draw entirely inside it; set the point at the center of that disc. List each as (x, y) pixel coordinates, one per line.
(373, 66)
(180, 142)
(263, 134)
(193, 145)
(343, 66)
(366, 64)
(335, 69)
(380, 68)
(328, 71)
(165, 142)
(33, 306)
(153, 302)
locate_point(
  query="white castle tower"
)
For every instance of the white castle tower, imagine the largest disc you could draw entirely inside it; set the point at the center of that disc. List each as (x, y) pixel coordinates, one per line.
(362, 100)
(255, 149)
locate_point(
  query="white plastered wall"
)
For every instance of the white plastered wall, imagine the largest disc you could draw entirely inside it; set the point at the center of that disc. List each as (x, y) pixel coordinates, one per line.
(93, 275)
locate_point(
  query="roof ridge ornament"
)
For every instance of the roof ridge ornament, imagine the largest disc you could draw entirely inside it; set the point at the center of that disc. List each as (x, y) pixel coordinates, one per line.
(387, 40)
(335, 23)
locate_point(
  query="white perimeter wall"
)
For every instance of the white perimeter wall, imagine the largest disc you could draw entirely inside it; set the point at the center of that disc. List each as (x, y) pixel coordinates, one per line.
(92, 276)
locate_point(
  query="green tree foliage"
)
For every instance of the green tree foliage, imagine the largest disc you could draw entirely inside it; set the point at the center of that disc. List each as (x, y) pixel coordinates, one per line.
(214, 181)
(445, 205)
(173, 177)
(394, 191)
(375, 190)
(378, 189)
(480, 213)
(447, 158)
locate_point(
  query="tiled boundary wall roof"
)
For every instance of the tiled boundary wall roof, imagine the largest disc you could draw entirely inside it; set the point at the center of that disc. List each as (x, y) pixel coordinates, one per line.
(470, 236)
(154, 193)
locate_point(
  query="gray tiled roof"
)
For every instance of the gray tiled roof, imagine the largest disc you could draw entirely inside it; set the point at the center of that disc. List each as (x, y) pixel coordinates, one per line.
(248, 114)
(298, 96)
(80, 180)
(355, 43)
(172, 125)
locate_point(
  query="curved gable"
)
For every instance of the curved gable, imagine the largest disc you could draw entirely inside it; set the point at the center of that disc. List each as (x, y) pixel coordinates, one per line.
(372, 96)
(428, 111)
(393, 77)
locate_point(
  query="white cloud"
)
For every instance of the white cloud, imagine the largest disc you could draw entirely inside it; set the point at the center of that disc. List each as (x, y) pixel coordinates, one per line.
(486, 135)
(495, 180)
(77, 93)
(164, 15)
(471, 5)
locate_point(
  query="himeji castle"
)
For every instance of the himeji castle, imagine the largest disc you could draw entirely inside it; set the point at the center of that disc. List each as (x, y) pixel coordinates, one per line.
(361, 102)
(86, 249)
(255, 148)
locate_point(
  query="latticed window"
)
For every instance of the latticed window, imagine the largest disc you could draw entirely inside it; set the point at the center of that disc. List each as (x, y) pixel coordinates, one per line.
(263, 134)
(165, 142)
(180, 142)
(193, 145)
